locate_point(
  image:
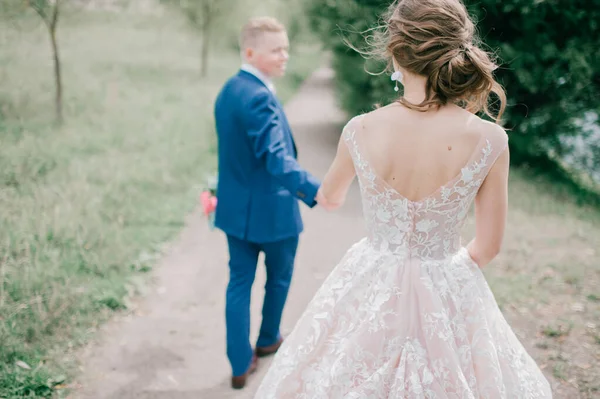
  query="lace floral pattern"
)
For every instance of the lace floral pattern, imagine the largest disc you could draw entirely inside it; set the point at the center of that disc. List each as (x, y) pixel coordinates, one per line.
(406, 313)
(429, 228)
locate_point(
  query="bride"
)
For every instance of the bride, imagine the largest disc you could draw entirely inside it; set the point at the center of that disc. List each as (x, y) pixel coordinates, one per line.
(407, 313)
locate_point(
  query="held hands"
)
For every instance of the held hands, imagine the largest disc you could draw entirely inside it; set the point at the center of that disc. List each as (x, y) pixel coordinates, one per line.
(323, 202)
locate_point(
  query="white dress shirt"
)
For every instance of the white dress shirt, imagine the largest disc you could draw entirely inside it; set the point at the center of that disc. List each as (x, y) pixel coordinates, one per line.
(261, 76)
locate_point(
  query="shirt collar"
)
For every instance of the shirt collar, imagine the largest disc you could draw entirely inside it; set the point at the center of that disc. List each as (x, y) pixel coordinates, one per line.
(261, 76)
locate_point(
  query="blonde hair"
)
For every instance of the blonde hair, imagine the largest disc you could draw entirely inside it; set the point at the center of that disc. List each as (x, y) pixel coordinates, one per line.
(436, 39)
(255, 27)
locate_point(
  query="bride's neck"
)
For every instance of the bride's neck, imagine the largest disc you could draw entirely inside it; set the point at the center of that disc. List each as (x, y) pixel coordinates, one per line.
(414, 88)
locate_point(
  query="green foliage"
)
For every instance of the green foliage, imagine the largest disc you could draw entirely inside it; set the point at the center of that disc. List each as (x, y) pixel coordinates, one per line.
(551, 55)
(334, 21)
(42, 7)
(549, 51)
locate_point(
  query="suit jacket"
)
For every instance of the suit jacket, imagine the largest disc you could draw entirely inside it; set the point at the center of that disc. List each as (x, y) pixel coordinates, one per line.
(260, 180)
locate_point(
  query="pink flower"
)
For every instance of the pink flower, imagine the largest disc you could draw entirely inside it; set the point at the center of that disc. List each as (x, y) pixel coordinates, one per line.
(209, 202)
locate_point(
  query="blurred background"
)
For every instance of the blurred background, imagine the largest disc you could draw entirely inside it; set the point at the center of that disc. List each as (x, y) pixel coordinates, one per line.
(107, 137)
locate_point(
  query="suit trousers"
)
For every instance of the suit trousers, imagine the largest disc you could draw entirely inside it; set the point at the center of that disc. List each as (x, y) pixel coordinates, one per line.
(243, 258)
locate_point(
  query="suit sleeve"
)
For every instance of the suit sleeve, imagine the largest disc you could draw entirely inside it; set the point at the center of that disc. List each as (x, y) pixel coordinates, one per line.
(266, 135)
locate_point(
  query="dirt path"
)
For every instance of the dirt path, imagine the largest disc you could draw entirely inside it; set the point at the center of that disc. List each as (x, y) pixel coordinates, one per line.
(173, 345)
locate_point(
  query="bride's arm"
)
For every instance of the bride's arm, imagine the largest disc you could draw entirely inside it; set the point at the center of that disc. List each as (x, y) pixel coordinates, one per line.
(336, 183)
(491, 205)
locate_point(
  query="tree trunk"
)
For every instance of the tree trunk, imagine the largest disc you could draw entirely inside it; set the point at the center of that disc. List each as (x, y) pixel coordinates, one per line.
(57, 78)
(57, 72)
(204, 67)
(206, 27)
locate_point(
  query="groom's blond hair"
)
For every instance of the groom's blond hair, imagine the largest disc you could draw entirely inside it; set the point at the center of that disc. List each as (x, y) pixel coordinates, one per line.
(255, 27)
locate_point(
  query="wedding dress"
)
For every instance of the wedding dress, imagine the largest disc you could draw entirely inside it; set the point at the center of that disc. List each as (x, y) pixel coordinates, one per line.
(407, 313)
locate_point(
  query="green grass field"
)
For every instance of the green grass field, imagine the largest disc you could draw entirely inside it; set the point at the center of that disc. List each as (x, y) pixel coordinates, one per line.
(86, 208)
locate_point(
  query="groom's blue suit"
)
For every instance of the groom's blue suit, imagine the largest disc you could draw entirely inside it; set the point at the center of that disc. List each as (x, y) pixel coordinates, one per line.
(260, 183)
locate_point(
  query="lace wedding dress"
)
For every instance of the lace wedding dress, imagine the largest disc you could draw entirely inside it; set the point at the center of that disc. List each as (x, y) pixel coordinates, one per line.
(407, 313)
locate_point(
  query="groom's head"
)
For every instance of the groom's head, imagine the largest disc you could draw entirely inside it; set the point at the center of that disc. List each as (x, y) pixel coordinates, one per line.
(265, 45)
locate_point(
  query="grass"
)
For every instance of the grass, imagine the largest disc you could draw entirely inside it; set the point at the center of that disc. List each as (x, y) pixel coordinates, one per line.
(557, 331)
(86, 208)
(559, 371)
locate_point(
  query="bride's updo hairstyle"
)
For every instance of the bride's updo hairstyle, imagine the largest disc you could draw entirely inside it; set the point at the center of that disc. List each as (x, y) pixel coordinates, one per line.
(436, 39)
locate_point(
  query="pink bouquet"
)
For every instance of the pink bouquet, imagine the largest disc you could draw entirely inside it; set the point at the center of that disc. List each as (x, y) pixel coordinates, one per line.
(208, 200)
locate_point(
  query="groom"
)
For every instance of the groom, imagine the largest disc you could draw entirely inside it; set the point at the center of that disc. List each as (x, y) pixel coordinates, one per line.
(260, 182)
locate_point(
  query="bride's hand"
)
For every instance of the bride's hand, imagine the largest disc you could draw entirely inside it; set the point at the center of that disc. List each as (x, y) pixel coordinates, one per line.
(321, 200)
(324, 203)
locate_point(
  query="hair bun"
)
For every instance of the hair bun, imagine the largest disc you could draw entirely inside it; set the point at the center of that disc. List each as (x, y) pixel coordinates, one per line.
(435, 38)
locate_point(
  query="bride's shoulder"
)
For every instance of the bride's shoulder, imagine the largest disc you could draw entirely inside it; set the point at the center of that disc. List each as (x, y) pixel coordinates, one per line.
(385, 111)
(354, 124)
(378, 114)
(494, 132)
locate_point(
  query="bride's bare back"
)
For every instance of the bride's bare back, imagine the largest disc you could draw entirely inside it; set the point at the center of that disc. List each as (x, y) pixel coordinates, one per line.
(416, 153)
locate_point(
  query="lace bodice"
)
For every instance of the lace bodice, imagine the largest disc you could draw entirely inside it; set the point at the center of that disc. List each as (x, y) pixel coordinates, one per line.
(428, 229)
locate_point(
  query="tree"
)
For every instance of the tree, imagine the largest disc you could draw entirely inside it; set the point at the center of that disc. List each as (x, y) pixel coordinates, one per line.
(551, 71)
(48, 10)
(203, 16)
